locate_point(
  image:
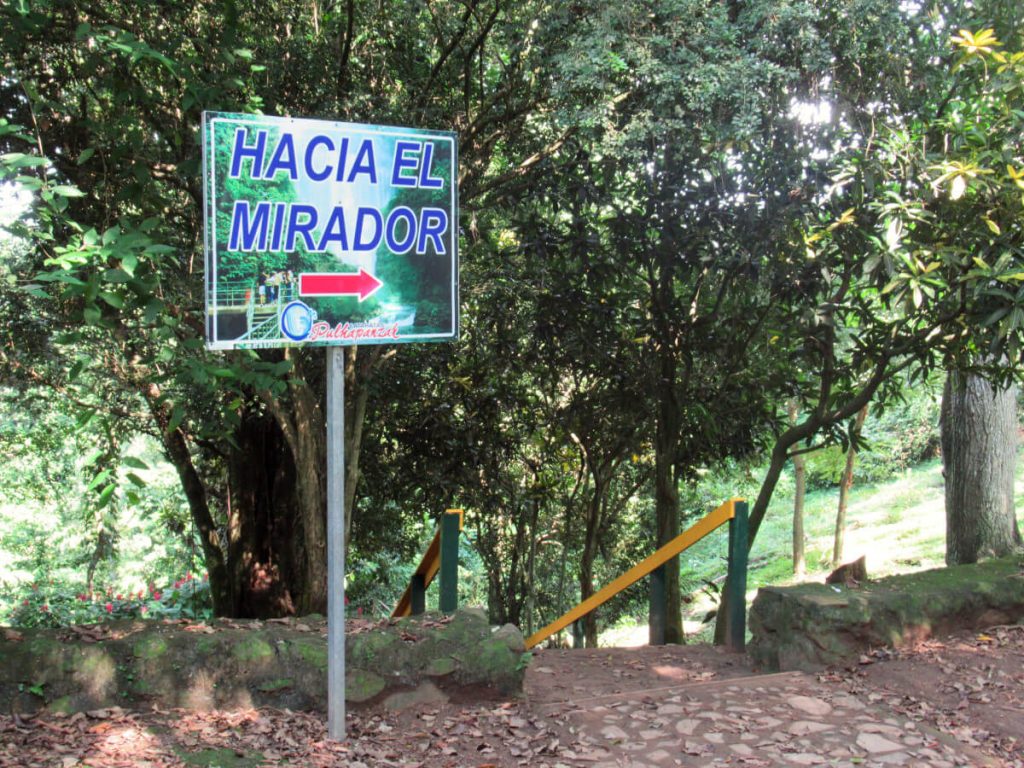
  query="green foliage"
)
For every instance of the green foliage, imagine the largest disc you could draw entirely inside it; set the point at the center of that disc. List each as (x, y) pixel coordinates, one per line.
(895, 438)
(56, 533)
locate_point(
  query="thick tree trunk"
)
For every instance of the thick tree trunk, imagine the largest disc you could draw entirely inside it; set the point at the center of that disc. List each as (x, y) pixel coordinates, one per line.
(311, 498)
(845, 484)
(979, 452)
(261, 496)
(302, 423)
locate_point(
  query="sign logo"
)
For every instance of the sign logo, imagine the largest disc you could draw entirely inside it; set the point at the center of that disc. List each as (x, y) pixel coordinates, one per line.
(297, 321)
(325, 233)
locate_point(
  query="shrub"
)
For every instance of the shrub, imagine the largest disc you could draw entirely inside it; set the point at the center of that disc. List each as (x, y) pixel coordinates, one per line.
(60, 605)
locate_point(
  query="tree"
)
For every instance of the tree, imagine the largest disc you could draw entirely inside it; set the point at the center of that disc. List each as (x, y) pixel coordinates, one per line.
(979, 457)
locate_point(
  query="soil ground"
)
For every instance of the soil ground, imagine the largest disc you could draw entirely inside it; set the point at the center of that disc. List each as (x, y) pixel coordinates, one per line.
(958, 701)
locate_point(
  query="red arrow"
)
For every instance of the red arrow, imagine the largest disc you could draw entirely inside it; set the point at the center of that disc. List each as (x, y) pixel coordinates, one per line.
(361, 284)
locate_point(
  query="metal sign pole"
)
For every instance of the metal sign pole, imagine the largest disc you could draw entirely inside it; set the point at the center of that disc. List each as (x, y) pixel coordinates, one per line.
(336, 543)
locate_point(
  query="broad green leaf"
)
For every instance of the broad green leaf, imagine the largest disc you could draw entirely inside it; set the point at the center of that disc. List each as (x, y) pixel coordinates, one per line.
(112, 299)
(106, 494)
(99, 479)
(177, 416)
(66, 190)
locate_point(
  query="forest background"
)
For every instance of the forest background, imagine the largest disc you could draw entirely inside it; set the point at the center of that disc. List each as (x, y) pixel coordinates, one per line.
(698, 239)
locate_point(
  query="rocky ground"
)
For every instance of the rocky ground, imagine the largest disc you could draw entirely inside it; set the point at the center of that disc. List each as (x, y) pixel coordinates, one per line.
(955, 702)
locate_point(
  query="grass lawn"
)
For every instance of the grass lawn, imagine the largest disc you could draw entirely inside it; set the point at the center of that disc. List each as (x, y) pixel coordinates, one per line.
(899, 526)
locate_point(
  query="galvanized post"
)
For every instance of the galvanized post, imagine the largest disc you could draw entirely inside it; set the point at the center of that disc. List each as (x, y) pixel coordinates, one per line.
(417, 595)
(336, 543)
(658, 607)
(449, 572)
(736, 620)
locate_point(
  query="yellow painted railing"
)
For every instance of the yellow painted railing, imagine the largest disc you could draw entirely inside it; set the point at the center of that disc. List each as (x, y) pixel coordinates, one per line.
(686, 539)
(426, 571)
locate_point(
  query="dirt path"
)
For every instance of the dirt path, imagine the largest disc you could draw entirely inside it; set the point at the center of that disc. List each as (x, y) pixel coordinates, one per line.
(951, 703)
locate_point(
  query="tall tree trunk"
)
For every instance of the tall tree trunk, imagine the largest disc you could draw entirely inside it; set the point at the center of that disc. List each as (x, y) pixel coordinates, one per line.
(302, 423)
(589, 554)
(799, 492)
(260, 531)
(531, 565)
(845, 484)
(979, 452)
(666, 495)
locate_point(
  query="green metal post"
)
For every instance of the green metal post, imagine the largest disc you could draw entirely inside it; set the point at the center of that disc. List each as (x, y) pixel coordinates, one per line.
(449, 572)
(658, 607)
(736, 621)
(417, 595)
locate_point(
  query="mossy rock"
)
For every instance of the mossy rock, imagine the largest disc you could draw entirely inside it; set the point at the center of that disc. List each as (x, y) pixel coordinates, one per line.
(252, 649)
(492, 663)
(374, 649)
(150, 647)
(361, 686)
(440, 667)
(311, 651)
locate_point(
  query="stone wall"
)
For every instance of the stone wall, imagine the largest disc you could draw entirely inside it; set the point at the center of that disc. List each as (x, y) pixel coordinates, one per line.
(239, 664)
(811, 626)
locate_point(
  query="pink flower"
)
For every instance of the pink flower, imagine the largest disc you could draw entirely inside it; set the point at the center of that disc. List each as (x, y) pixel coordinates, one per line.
(109, 607)
(156, 595)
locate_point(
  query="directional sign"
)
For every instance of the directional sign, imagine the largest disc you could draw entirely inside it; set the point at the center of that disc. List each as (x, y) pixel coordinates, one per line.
(324, 233)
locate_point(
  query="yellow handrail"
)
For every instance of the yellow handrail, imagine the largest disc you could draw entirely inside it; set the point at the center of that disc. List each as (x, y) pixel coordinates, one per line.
(428, 567)
(686, 539)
